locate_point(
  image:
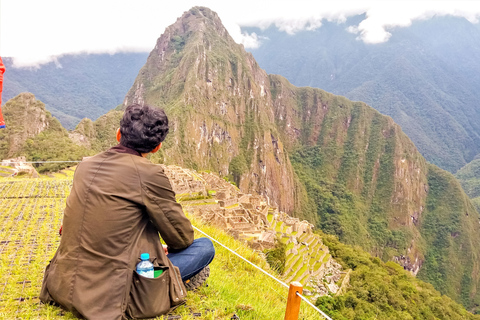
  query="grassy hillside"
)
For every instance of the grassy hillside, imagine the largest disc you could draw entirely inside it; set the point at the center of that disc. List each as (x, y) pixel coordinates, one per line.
(30, 237)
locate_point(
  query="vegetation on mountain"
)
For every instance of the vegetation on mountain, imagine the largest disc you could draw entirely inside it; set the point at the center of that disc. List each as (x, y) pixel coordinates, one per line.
(76, 86)
(355, 173)
(214, 94)
(469, 177)
(425, 77)
(32, 132)
(380, 290)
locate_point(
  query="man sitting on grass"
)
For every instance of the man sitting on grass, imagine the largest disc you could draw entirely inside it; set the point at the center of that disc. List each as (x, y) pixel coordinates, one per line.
(118, 205)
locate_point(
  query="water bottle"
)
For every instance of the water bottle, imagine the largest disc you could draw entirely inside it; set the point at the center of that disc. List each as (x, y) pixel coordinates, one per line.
(145, 267)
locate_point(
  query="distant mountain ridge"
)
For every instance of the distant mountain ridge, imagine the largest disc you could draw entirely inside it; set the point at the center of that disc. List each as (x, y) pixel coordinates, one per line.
(426, 77)
(76, 86)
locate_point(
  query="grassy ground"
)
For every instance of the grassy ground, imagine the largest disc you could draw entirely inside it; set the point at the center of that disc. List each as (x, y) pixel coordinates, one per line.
(30, 216)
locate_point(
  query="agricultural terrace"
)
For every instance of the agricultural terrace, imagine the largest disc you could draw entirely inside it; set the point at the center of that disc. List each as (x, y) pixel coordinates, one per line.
(30, 216)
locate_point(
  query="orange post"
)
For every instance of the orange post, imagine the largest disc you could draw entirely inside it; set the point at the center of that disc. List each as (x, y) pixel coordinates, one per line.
(293, 301)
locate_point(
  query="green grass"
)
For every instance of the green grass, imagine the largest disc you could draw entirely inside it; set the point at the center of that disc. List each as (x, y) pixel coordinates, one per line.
(279, 227)
(29, 238)
(270, 217)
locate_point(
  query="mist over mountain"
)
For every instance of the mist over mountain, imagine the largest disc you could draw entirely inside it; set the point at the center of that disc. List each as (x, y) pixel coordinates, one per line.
(76, 86)
(426, 77)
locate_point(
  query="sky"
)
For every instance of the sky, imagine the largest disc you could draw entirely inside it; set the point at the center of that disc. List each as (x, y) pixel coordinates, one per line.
(38, 31)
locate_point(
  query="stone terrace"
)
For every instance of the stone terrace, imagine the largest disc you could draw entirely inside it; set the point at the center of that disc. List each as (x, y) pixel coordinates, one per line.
(252, 219)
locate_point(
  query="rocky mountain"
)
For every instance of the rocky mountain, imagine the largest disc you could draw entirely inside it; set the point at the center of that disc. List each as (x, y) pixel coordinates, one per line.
(76, 86)
(32, 132)
(220, 104)
(425, 77)
(339, 163)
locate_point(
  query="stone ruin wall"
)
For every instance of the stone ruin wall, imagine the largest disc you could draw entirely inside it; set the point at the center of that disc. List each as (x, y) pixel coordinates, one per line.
(246, 217)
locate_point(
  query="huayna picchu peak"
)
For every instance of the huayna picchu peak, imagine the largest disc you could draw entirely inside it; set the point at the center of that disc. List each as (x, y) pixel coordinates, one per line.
(340, 164)
(220, 104)
(343, 166)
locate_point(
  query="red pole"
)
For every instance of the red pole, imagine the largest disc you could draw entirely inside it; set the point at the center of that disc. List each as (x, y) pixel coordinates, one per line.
(2, 70)
(293, 301)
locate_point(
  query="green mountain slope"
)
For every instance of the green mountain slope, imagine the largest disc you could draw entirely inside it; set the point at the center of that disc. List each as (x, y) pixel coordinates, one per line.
(425, 77)
(355, 173)
(469, 177)
(384, 291)
(218, 100)
(369, 185)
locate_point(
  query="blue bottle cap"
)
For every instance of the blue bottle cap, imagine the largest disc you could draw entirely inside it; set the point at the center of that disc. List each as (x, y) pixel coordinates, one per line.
(145, 256)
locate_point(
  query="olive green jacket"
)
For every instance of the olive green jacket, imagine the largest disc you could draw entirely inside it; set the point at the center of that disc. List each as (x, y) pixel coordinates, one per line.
(118, 204)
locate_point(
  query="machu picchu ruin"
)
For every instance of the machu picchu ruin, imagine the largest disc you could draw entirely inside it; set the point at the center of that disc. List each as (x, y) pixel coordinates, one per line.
(250, 218)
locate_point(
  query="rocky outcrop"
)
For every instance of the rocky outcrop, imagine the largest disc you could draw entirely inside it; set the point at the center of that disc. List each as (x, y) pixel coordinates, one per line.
(19, 166)
(249, 218)
(219, 102)
(27, 118)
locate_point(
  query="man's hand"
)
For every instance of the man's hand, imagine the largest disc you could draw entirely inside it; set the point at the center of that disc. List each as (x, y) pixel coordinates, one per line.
(165, 248)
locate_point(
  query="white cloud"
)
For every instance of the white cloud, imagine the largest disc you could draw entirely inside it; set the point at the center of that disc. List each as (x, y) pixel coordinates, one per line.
(35, 31)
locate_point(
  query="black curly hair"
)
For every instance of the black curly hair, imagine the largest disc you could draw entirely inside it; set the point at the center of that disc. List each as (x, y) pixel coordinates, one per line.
(143, 127)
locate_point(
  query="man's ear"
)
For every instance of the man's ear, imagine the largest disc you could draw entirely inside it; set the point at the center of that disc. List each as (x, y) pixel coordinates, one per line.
(119, 135)
(157, 148)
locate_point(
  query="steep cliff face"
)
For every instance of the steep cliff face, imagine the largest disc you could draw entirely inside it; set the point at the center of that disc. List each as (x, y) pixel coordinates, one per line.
(219, 102)
(352, 146)
(339, 163)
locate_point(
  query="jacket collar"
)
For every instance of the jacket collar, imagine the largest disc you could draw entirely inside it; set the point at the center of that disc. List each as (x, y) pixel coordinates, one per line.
(122, 149)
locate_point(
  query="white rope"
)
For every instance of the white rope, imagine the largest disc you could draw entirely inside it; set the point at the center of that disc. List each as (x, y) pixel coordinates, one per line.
(268, 274)
(313, 306)
(254, 265)
(43, 161)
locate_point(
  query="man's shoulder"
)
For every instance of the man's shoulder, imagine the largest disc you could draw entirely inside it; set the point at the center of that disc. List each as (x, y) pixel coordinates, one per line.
(145, 166)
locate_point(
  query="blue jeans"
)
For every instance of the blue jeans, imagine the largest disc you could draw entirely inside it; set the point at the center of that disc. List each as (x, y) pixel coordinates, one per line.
(194, 258)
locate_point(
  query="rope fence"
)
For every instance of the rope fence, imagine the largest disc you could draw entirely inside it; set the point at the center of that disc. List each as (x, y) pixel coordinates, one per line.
(265, 272)
(307, 301)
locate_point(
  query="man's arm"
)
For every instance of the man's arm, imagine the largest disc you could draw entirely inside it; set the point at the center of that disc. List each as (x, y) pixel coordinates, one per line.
(165, 213)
